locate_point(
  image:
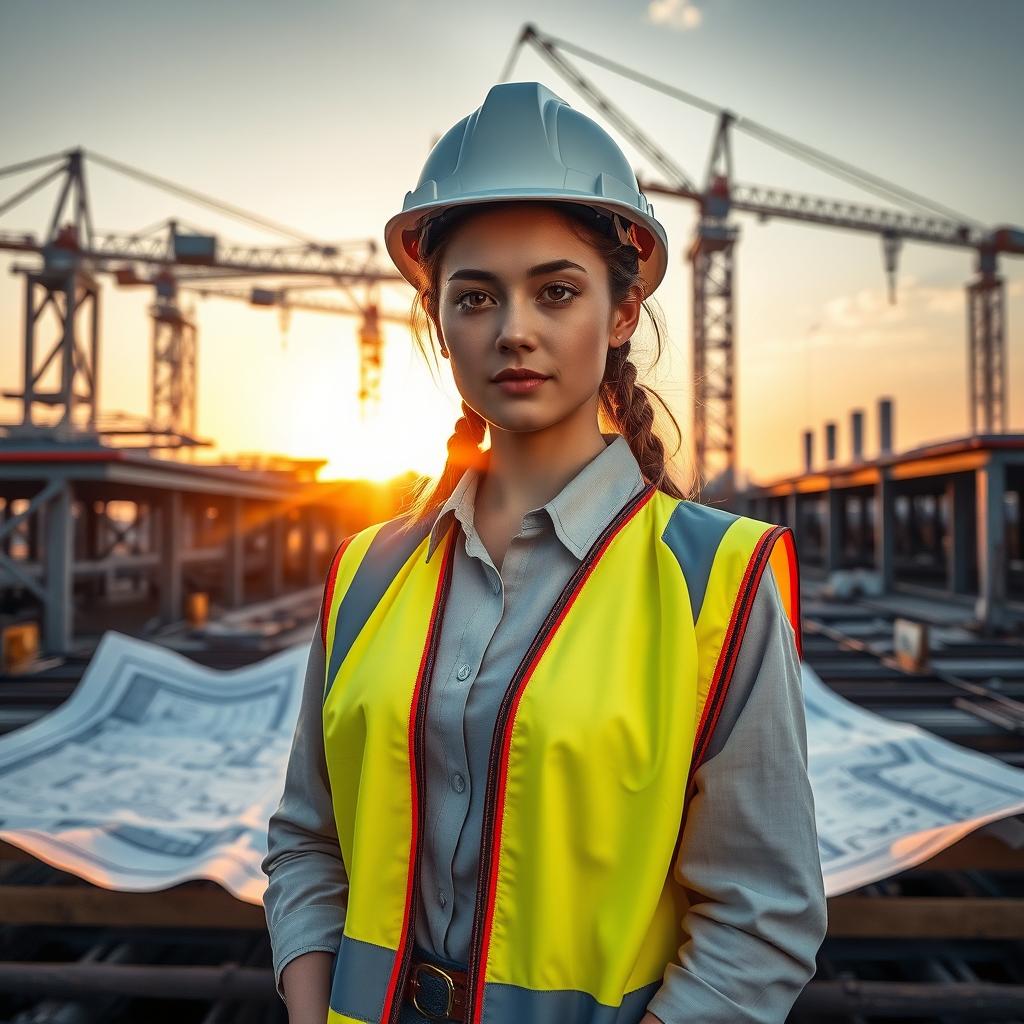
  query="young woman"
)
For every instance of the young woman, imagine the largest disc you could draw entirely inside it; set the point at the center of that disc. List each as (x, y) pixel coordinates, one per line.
(551, 760)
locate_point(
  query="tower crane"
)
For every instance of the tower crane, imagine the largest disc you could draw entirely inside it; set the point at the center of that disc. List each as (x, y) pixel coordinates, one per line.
(64, 375)
(711, 252)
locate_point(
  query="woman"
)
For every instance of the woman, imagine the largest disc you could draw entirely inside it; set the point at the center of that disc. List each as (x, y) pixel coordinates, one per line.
(550, 764)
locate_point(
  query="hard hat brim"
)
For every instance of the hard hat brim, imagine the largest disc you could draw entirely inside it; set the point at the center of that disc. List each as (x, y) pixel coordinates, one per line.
(652, 270)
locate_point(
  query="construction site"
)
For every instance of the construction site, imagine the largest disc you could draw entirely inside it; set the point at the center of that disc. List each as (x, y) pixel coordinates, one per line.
(121, 541)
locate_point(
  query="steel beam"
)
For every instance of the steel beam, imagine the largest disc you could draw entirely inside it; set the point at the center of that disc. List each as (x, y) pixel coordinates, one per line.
(58, 625)
(171, 544)
(990, 488)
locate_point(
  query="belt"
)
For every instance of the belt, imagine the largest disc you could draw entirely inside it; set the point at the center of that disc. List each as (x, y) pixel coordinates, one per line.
(442, 987)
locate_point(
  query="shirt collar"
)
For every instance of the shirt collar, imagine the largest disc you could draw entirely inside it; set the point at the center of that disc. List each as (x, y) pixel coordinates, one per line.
(580, 510)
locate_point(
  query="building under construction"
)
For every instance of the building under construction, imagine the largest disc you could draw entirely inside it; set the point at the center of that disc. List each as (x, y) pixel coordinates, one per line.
(942, 520)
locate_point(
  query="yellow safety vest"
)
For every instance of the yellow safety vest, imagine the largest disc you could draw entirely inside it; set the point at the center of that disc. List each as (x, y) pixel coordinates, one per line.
(596, 740)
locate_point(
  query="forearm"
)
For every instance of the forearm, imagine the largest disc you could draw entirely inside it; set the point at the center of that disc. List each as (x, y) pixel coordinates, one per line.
(306, 981)
(307, 892)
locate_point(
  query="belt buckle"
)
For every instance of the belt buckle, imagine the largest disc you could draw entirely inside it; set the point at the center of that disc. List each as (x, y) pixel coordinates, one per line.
(451, 991)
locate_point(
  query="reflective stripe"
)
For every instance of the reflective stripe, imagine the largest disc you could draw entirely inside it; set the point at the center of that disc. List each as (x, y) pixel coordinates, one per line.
(739, 694)
(388, 552)
(693, 533)
(328, 598)
(361, 973)
(512, 1004)
(733, 638)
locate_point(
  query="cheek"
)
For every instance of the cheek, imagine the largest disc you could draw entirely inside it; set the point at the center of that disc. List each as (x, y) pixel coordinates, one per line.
(467, 357)
(463, 332)
(585, 354)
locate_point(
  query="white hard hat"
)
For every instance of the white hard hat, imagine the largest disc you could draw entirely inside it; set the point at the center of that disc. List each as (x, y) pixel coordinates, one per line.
(524, 143)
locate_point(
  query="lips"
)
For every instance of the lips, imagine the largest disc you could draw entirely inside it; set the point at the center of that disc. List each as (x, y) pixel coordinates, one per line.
(518, 375)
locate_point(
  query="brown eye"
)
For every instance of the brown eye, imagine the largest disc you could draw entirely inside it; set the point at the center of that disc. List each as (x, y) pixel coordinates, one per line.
(571, 292)
(460, 302)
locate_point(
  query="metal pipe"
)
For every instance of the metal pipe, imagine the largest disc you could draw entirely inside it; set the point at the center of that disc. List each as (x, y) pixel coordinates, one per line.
(982, 1001)
(228, 981)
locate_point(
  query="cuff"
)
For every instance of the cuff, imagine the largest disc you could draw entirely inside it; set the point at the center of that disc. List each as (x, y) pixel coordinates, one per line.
(306, 930)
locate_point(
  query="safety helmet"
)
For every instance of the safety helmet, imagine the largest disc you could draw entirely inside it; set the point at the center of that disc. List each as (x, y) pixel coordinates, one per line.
(524, 142)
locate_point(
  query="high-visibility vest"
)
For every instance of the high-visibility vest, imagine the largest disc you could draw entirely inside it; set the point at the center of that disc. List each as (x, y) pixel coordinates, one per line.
(602, 725)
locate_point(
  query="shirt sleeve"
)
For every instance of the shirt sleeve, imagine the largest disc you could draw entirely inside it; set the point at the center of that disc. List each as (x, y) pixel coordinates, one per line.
(307, 894)
(749, 857)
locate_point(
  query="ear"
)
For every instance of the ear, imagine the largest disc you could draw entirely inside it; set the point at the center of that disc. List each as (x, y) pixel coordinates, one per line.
(626, 316)
(440, 339)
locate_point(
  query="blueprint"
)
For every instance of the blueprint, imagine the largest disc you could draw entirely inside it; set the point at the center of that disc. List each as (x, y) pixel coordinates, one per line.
(889, 795)
(158, 770)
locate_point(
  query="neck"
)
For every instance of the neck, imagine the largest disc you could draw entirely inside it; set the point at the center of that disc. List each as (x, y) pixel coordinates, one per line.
(526, 469)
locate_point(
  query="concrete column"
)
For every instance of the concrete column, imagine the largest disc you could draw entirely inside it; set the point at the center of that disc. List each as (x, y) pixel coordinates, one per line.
(276, 528)
(791, 514)
(171, 544)
(885, 527)
(309, 568)
(94, 586)
(860, 501)
(990, 481)
(960, 496)
(834, 529)
(34, 528)
(58, 554)
(234, 554)
(865, 552)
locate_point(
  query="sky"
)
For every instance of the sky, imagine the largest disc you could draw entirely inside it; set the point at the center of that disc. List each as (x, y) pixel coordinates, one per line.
(319, 115)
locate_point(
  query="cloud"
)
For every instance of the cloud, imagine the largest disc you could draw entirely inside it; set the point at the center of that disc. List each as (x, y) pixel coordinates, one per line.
(677, 14)
(869, 307)
(944, 300)
(865, 319)
(818, 339)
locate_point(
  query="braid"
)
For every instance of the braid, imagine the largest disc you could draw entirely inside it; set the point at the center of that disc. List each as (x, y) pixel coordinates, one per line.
(634, 416)
(463, 452)
(464, 444)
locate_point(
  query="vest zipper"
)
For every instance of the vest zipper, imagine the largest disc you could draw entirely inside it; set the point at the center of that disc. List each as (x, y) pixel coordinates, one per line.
(484, 894)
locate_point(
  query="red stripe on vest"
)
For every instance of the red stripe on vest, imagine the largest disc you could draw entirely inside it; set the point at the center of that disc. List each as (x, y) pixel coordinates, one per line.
(332, 575)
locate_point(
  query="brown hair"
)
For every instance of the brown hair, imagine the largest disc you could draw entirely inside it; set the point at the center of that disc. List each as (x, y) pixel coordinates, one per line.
(623, 402)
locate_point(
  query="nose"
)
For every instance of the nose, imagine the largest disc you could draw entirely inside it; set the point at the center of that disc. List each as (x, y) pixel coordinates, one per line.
(517, 330)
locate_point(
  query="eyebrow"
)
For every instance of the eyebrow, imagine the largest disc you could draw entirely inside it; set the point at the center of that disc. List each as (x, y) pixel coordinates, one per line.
(541, 268)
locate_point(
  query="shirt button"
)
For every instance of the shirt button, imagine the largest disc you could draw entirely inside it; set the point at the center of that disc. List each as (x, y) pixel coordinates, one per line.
(458, 782)
(464, 672)
(441, 897)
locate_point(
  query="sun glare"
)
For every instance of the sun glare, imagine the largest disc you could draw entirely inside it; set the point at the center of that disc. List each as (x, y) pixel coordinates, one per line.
(385, 451)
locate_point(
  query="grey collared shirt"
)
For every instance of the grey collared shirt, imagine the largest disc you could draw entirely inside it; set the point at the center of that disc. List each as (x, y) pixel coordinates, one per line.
(757, 915)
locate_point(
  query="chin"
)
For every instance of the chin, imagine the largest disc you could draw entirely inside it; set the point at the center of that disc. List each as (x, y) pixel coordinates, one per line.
(522, 422)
